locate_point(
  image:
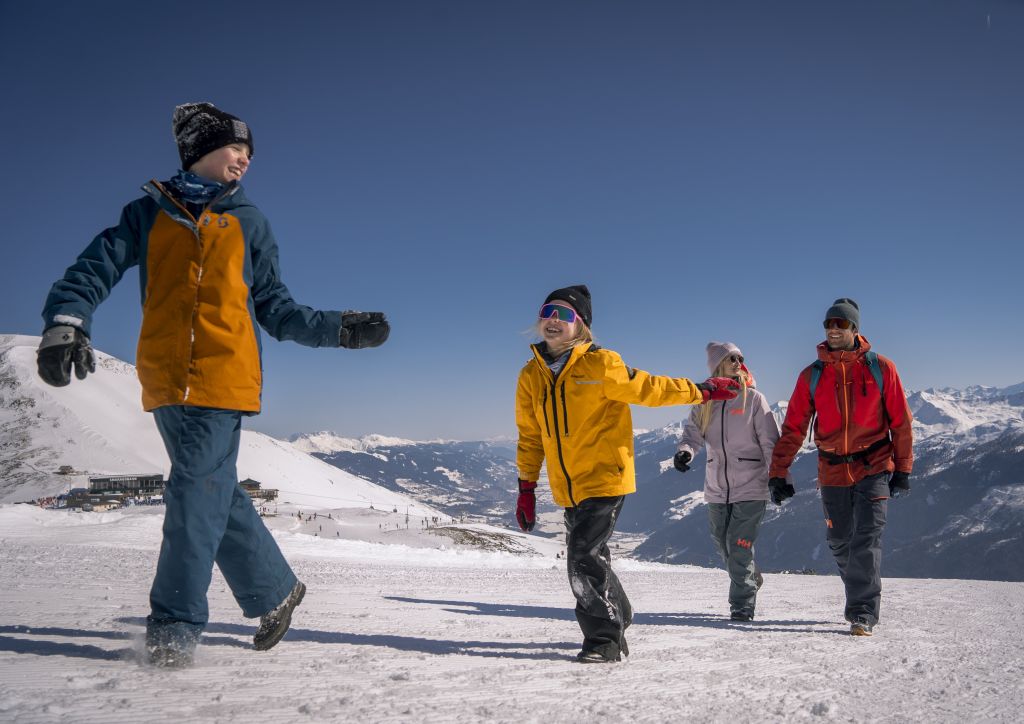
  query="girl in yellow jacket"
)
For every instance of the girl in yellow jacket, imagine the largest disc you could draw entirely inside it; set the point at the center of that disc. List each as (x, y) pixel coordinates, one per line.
(572, 410)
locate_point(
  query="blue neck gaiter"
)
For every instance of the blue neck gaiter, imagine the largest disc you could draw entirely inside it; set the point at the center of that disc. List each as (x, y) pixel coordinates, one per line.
(193, 189)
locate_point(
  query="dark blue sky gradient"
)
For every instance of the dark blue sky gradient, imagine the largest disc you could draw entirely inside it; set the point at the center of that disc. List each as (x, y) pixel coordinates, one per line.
(713, 170)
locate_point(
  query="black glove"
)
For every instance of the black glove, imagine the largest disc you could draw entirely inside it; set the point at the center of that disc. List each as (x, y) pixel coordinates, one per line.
(681, 459)
(780, 490)
(899, 484)
(62, 347)
(363, 329)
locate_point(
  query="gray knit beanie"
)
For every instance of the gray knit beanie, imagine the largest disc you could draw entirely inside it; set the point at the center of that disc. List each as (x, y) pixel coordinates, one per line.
(718, 351)
(845, 308)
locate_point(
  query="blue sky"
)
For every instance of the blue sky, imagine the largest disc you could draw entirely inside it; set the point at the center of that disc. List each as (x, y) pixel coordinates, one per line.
(711, 170)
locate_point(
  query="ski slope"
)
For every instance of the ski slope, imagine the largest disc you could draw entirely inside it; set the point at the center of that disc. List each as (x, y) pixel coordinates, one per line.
(401, 624)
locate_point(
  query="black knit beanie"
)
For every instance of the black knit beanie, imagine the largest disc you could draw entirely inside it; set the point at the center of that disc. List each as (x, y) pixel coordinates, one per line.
(845, 308)
(578, 296)
(202, 127)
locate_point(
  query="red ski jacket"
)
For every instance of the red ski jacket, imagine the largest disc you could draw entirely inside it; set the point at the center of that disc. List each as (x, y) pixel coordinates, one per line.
(855, 436)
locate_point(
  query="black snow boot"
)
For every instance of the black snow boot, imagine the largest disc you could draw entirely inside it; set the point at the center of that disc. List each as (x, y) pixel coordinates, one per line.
(274, 625)
(604, 654)
(742, 616)
(171, 644)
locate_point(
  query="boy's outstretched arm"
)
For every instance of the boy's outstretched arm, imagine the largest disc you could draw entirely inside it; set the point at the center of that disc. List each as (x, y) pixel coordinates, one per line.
(286, 319)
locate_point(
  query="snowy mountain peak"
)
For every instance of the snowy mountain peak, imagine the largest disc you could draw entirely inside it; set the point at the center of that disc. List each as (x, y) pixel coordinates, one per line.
(97, 427)
(327, 442)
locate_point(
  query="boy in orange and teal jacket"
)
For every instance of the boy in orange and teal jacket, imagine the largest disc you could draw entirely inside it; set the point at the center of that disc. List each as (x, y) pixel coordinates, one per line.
(209, 279)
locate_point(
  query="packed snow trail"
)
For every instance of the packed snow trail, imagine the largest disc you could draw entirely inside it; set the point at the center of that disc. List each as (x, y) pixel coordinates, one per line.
(392, 633)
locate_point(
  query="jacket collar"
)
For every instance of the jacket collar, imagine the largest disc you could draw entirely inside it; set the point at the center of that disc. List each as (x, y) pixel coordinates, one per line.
(230, 198)
(834, 356)
(542, 356)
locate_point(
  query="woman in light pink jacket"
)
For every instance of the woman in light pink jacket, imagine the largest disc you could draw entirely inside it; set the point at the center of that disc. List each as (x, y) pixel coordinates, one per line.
(740, 435)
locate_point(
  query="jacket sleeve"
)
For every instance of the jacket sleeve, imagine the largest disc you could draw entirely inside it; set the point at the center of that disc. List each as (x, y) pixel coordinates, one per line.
(276, 311)
(900, 419)
(766, 428)
(87, 282)
(693, 439)
(794, 427)
(530, 447)
(636, 387)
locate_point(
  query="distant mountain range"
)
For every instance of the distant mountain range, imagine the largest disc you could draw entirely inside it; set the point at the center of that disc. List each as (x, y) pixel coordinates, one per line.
(475, 479)
(963, 519)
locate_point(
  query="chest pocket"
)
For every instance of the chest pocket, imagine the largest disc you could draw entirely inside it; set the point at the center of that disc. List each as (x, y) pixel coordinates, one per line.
(580, 397)
(866, 399)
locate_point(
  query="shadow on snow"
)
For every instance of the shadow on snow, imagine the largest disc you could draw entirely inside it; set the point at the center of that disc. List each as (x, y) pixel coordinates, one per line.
(475, 608)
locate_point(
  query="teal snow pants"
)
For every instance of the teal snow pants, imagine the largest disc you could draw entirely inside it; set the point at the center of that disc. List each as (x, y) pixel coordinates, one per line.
(734, 528)
(210, 519)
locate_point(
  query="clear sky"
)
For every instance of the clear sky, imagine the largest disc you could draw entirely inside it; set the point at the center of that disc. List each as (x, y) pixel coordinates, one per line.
(712, 170)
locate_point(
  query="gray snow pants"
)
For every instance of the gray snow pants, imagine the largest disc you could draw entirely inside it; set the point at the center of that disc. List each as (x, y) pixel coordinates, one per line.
(855, 517)
(602, 608)
(734, 528)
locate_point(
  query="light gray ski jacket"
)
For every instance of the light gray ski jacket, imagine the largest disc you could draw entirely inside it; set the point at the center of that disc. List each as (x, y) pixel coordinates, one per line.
(740, 439)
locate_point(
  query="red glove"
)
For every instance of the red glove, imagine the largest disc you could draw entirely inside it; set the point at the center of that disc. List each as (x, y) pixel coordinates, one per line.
(526, 505)
(719, 388)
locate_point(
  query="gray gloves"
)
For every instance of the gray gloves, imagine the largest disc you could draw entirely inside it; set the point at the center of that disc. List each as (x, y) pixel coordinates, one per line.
(63, 347)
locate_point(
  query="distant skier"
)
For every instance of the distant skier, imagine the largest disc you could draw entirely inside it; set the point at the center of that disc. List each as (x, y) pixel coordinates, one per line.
(209, 276)
(865, 443)
(572, 412)
(740, 435)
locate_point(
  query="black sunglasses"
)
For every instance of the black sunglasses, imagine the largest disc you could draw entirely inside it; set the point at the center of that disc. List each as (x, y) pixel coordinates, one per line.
(736, 358)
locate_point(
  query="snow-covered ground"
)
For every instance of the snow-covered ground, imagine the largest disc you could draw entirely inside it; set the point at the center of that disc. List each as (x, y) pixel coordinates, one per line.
(401, 624)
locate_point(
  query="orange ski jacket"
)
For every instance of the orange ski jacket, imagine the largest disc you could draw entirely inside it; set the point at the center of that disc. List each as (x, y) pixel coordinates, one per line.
(855, 433)
(207, 285)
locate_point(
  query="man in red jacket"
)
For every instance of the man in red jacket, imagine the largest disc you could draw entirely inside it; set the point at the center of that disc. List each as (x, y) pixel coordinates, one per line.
(865, 452)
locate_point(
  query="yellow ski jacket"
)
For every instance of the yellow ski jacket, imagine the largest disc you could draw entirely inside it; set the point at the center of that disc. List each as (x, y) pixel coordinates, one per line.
(580, 422)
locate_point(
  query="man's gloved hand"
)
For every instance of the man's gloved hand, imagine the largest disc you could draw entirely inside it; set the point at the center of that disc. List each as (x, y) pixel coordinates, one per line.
(681, 461)
(526, 505)
(780, 490)
(363, 329)
(899, 484)
(719, 388)
(62, 347)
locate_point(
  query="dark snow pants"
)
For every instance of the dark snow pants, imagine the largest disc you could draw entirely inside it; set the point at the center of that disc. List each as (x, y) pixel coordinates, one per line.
(855, 517)
(602, 609)
(209, 518)
(734, 528)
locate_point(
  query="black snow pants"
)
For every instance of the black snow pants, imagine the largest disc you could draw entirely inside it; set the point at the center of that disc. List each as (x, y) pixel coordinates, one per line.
(602, 609)
(855, 517)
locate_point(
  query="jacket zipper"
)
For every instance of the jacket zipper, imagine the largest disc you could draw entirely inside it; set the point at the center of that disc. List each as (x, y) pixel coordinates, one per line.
(846, 420)
(194, 228)
(725, 458)
(544, 406)
(558, 442)
(565, 411)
